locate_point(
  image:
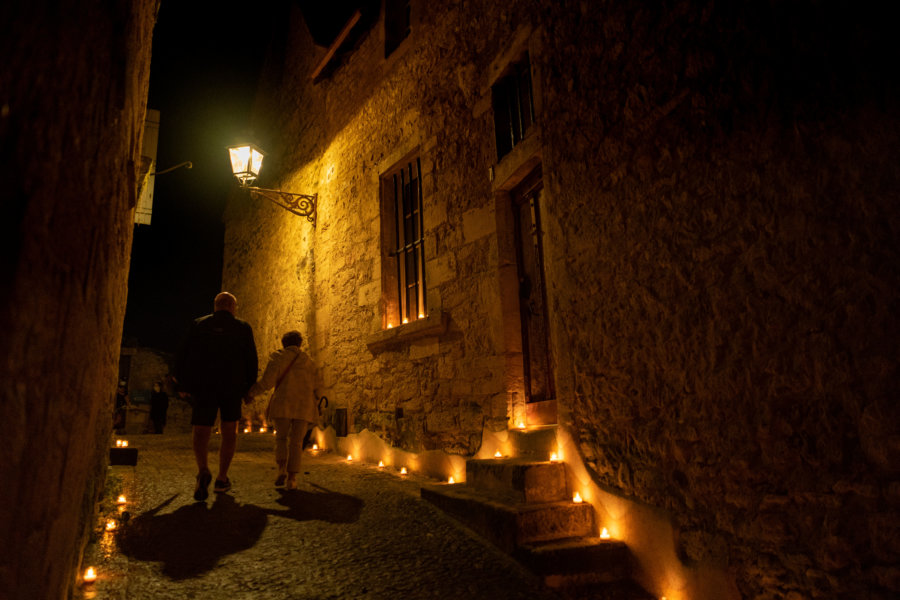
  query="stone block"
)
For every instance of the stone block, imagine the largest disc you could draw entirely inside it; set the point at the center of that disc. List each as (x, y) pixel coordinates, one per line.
(478, 223)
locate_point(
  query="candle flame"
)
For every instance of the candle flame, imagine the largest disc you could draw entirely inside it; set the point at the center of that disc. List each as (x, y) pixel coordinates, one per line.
(521, 425)
(349, 457)
(90, 575)
(390, 325)
(577, 498)
(405, 320)
(604, 535)
(118, 443)
(497, 454)
(110, 525)
(380, 463)
(403, 470)
(554, 457)
(246, 430)
(124, 443)
(120, 500)
(451, 480)
(421, 315)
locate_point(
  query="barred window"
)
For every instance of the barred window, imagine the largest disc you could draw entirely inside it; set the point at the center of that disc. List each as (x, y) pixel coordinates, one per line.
(513, 104)
(403, 256)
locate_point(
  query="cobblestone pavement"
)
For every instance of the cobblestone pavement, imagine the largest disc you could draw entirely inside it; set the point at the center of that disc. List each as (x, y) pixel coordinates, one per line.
(349, 531)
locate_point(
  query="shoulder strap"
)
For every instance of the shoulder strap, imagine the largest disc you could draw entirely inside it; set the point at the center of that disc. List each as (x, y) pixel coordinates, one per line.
(282, 376)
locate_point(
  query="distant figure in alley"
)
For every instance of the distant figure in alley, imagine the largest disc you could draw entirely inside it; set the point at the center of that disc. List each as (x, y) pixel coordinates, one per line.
(292, 406)
(217, 365)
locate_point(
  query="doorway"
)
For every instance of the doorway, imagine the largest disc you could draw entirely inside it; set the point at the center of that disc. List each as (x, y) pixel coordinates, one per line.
(540, 393)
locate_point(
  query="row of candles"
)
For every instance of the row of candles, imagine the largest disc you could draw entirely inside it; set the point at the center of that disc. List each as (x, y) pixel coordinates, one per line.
(90, 574)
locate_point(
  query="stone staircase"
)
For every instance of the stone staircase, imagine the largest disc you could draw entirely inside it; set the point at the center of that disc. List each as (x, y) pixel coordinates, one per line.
(524, 506)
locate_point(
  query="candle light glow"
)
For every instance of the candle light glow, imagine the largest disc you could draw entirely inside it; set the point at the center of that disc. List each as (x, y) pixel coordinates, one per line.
(121, 499)
(110, 525)
(577, 498)
(497, 454)
(403, 470)
(604, 535)
(90, 576)
(554, 457)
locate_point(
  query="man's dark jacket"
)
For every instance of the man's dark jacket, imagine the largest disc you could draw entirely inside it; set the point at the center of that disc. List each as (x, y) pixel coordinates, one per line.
(218, 359)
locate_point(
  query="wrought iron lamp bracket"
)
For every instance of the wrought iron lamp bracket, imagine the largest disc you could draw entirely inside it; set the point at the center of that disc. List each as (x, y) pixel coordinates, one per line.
(302, 205)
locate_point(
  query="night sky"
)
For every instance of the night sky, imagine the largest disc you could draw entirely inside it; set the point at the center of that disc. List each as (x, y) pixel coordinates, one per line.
(205, 66)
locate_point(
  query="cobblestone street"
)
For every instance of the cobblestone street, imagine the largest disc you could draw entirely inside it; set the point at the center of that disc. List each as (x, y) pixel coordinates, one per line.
(349, 531)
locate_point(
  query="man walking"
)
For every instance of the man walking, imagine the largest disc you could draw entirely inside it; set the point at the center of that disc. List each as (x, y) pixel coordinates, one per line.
(217, 365)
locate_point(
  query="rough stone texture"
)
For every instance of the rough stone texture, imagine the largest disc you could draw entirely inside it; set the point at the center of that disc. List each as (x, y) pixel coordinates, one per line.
(720, 235)
(73, 90)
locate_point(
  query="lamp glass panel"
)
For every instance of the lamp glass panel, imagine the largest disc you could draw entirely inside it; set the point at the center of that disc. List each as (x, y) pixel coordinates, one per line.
(256, 161)
(240, 160)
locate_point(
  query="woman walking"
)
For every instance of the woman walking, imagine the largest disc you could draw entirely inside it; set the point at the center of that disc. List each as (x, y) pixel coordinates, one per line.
(292, 406)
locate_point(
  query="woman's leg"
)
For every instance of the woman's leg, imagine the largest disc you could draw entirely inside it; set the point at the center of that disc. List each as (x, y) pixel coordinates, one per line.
(282, 430)
(298, 430)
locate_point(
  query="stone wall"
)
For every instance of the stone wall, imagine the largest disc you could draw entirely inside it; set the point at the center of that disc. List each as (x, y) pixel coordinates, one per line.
(73, 90)
(720, 234)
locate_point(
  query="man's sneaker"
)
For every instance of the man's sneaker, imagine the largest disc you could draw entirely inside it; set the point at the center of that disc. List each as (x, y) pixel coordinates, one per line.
(222, 486)
(201, 492)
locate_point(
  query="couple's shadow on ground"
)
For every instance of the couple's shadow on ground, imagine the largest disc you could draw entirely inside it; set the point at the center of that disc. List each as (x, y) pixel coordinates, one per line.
(192, 539)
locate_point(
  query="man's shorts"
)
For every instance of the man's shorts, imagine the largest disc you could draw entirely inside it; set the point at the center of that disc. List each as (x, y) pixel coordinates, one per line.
(205, 411)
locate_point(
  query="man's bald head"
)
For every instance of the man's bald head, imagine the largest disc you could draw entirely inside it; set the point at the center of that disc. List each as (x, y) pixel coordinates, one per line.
(225, 301)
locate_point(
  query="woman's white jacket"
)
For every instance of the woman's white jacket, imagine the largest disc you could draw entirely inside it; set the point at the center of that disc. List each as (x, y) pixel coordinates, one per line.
(294, 397)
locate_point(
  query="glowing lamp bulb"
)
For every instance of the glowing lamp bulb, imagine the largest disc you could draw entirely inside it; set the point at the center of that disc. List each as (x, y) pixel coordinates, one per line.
(604, 535)
(451, 480)
(121, 499)
(110, 525)
(577, 498)
(403, 470)
(380, 463)
(90, 576)
(497, 454)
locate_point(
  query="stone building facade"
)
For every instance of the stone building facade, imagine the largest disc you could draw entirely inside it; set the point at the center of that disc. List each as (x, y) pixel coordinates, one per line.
(671, 231)
(73, 95)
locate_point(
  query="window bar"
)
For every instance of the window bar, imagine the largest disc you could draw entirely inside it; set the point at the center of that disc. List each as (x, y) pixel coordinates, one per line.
(401, 281)
(421, 278)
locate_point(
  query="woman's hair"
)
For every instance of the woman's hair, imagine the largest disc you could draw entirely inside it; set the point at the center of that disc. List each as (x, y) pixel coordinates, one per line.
(292, 338)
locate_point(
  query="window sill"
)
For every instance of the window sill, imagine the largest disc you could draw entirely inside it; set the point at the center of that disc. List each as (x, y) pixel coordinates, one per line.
(433, 325)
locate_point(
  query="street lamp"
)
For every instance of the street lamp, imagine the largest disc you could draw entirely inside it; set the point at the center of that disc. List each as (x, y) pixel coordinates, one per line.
(246, 161)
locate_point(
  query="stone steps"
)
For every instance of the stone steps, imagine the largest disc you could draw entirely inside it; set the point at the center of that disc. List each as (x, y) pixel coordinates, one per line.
(524, 507)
